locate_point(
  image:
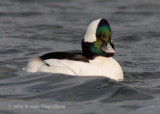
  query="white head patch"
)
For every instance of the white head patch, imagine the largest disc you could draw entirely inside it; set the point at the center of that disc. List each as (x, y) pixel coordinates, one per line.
(90, 35)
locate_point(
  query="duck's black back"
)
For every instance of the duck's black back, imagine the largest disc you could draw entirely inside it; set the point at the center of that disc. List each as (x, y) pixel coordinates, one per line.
(65, 55)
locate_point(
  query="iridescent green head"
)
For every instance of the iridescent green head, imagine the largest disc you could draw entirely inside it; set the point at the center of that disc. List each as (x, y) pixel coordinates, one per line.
(97, 40)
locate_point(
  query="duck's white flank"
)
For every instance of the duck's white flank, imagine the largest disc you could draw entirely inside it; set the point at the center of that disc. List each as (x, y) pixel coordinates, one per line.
(100, 66)
(34, 65)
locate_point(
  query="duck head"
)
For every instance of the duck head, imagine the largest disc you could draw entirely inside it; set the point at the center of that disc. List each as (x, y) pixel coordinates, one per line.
(97, 40)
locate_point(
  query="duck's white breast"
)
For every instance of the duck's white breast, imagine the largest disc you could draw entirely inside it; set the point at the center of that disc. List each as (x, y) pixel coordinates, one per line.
(108, 67)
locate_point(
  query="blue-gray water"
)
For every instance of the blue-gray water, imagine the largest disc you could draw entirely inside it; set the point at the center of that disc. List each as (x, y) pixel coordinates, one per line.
(29, 28)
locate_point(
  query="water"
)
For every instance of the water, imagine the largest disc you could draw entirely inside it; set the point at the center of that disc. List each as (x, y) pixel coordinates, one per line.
(29, 28)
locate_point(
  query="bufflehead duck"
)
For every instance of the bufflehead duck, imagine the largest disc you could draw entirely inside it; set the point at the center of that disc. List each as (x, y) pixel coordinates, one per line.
(96, 59)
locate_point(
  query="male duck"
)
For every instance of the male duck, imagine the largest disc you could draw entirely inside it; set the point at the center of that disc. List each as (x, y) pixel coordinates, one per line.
(96, 59)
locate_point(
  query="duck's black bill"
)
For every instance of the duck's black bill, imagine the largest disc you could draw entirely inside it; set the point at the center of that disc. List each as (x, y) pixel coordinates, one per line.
(108, 48)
